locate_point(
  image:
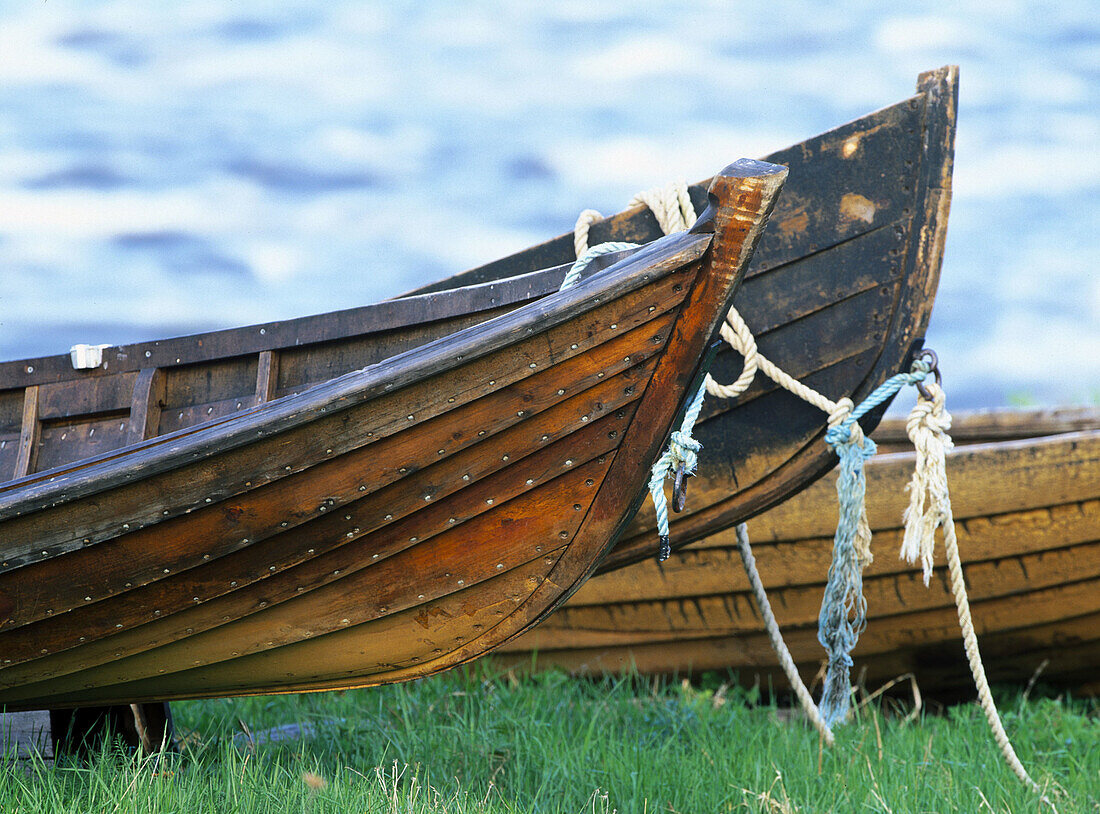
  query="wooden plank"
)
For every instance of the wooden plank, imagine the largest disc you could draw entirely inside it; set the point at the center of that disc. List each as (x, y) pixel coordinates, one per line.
(331, 435)
(987, 426)
(380, 526)
(145, 405)
(30, 428)
(25, 734)
(713, 566)
(267, 375)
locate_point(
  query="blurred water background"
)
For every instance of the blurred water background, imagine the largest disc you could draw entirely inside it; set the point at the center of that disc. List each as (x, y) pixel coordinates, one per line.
(167, 168)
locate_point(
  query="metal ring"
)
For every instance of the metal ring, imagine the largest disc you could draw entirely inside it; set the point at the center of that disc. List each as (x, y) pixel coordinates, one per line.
(934, 369)
(679, 490)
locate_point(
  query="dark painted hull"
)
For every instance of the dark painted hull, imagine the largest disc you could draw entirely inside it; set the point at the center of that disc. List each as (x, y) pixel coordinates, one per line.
(839, 291)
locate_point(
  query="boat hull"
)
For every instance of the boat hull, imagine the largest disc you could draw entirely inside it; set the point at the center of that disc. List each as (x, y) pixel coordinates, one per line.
(1027, 514)
(387, 524)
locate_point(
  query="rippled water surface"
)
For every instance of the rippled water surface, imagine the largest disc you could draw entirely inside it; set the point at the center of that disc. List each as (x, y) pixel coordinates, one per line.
(168, 168)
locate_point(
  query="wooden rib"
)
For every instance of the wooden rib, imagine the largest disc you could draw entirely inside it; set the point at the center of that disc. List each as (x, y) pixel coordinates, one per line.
(267, 376)
(145, 405)
(30, 427)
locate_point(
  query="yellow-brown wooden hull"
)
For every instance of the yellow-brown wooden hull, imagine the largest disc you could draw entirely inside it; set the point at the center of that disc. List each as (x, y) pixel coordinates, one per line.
(1027, 514)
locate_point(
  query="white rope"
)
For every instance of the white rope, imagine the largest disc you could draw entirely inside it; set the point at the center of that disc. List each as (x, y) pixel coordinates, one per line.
(776, 637)
(930, 507)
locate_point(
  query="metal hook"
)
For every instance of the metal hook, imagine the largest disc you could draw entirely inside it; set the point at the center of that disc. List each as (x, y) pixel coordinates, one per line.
(679, 489)
(934, 369)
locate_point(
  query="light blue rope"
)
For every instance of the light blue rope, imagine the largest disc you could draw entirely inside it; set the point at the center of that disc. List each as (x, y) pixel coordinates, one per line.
(682, 449)
(844, 608)
(573, 276)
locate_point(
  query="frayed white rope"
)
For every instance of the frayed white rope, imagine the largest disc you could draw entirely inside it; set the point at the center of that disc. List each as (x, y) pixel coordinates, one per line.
(930, 508)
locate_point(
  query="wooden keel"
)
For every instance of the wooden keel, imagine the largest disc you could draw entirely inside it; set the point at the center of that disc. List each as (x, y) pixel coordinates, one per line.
(388, 524)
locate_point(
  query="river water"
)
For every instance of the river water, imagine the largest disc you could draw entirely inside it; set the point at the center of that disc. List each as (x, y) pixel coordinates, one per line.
(168, 168)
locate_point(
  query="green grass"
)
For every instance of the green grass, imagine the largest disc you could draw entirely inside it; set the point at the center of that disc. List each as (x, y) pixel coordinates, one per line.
(477, 741)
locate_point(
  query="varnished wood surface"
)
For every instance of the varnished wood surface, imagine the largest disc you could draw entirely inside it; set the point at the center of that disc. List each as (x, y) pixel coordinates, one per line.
(429, 506)
(1028, 521)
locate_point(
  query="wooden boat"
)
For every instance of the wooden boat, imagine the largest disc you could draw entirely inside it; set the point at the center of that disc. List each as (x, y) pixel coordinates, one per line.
(1027, 513)
(385, 524)
(839, 291)
(843, 292)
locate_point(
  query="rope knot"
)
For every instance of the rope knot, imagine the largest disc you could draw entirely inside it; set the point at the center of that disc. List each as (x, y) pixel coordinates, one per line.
(929, 502)
(684, 450)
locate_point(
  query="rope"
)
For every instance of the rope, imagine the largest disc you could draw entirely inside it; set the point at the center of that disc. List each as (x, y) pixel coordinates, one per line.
(843, 607)
(672, 207)
(780, 646)
(670, 204)
(683, 450)
(929, 508)
(584, 260)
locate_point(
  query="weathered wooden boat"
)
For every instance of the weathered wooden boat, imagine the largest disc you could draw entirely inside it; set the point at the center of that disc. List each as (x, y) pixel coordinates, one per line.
(384, 524)
(1027, 513)
(839, 291)
(844, 290)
